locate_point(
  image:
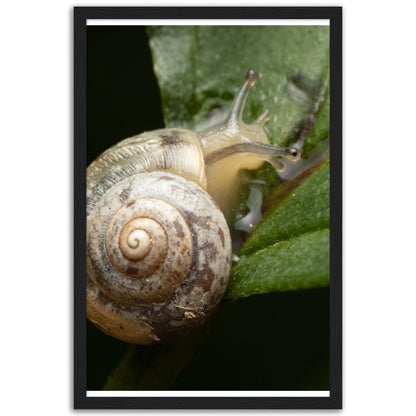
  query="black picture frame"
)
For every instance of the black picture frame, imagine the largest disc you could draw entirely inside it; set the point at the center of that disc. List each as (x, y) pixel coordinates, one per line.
(81, 401)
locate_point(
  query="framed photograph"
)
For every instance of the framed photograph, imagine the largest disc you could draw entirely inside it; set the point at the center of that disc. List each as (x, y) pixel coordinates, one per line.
(208, 197)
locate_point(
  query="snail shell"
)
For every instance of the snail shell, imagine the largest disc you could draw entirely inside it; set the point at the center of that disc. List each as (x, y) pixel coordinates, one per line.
(158, 246)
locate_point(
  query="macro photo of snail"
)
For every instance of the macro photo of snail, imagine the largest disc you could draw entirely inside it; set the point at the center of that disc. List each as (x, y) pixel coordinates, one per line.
(158, 246)
(207, 207)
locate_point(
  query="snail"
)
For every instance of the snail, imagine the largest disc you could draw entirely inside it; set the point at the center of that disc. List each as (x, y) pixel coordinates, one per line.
(158, 245)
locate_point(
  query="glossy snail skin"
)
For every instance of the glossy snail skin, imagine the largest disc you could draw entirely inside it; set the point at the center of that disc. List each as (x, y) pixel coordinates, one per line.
(234, 145)
(158, 246)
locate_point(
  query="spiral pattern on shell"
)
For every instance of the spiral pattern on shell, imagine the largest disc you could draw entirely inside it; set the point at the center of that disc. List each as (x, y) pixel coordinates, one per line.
(158, 257)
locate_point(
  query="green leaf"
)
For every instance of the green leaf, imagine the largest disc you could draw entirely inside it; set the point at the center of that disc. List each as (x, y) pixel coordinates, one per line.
(156, 367)
(153, 367)
(304, 209)
(319, 133)
(299, 263)
(289, 249)
(200, 68)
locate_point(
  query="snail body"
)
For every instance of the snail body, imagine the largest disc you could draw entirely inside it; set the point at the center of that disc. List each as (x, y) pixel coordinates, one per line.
(158, 245)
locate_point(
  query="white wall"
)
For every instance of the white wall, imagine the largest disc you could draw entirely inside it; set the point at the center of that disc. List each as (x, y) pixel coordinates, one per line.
(379, 208)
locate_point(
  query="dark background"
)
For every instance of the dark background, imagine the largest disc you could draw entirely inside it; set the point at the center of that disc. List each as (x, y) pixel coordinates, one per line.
(123, 97)
(278, 341)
